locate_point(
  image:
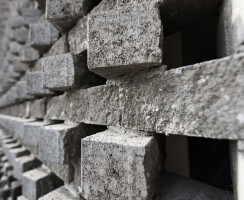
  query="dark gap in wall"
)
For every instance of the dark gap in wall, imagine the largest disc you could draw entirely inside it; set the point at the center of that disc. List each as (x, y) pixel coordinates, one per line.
(192, 45)
(210, 162)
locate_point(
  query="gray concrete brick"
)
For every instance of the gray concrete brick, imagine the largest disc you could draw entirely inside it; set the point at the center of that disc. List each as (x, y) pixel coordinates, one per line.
(15, 47)
(15, 153)
(62, 72)
(30, 138)
(125, 40)
(29, 55)
(21, 34)
(42, 36)
(38, 108)
(119, 166)
(62, 193)
(63, 14)
(35, 86)
(38, 182)
(20, 67)
(78, 37)
(21, 87)
(24, 164)
(57, 148)
(31, 16)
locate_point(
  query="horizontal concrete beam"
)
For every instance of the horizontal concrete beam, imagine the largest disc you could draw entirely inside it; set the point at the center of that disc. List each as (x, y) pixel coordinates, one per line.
(205, 99)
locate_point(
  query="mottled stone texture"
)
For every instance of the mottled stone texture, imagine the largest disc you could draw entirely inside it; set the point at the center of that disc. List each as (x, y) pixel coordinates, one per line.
(29, 55)
(42, 36)
(204, 99)
(35, 86)
(78, 37)
(64, 13)
(118, 166)
(62, 72)
(125, 40)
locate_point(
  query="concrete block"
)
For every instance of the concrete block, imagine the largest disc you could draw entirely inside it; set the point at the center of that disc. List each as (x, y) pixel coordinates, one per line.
(30, 138)
(119, 166)
(22, 91)
(29, 55)
(125, 40)
(15, 153)
(42, 36)
(20, 67)
(21, 34)
(38, 182)
(38, 108)
(63, 14)
(62, 193)
(31, 15)
(78, 37)
(35, 86)
(62, 72)
(16, 22)
(15, 47)
(23, 164)
(57, 148)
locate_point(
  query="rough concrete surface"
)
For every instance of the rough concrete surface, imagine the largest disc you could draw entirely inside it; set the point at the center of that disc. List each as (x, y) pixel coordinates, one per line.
(118, 166)
(125, 40)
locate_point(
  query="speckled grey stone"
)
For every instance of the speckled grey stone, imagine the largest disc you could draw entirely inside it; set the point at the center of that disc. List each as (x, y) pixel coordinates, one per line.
(30, 136)
(57, 148)
(204, 99)
(21, 87)
(35, 86)
(78, 37)
(38, 182)
(20, 67)
(63, 14)
(29, 55)
(125, 40)
(38, 108)
(15, 47)
(118, 166)
(62, 72)
(42, 36)
(62, 193)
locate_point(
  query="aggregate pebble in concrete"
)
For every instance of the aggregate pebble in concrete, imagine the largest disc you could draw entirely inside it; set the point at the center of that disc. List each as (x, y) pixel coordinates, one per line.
(119, 166)
(125, 40)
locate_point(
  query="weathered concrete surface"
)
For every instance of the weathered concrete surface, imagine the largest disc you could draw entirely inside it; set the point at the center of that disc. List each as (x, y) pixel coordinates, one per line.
(38, 108)
(30, 136)
(63, 14)
(175, 14)
(172, 187)
(35, 86)
(237, 170)
(57, 148)
(78, 37)
(62, 72)
(231, 27)
(125, 40)
(119, 166)
(42, 36)
(204, 100)
(21, 35)
(39, 182)
(62, 193)
(29, 55)
(21, 87)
